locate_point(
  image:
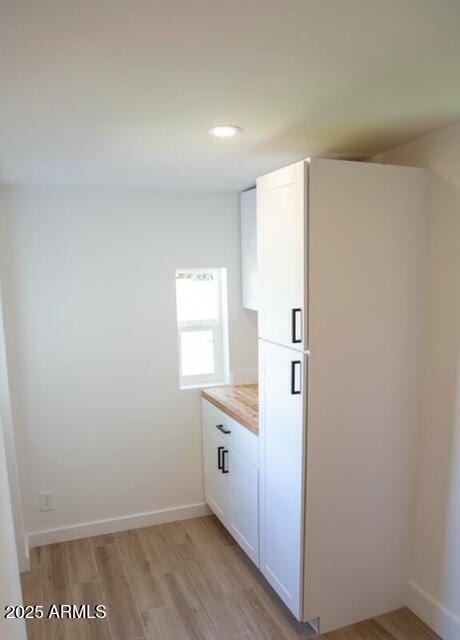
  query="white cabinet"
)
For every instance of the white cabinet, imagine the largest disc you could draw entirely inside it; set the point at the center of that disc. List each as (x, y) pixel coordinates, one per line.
(282, 460)
(215, 486)
(232, 477)
(337, 460)
(243, 503)
(282, 255)
(249, 277)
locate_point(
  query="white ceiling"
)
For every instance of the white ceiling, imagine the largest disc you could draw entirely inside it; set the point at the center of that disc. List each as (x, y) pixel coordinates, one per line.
(119, 92)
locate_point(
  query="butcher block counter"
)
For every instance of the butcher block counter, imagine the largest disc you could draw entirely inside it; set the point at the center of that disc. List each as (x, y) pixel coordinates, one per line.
(241, 402)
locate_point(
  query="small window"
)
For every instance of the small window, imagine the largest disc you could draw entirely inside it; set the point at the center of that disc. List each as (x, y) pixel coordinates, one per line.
(202, 326)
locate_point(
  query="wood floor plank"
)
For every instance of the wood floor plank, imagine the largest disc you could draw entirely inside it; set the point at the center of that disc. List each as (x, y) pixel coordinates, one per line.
(162, 556)
(54, 575)
(57, 629)
(207, 538)
(81, 561)
(32, 587)
(43, 629)
(45, 585)
(371, 630)
(404, 625)
(195, 620)
(123, 618)
(244, 575)
(211, 595)
(347, 633)
(35, 557)
(164, 624)
(175, 533)
(225, 537)
(257, 619)
(100, 541)
(108, 561)
(147, 587)
(231, 571)
(90, 593)
(188, 554)
(130, 547)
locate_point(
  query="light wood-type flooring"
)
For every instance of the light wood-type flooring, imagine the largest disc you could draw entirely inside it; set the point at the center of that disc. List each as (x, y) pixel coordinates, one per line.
(180, 581)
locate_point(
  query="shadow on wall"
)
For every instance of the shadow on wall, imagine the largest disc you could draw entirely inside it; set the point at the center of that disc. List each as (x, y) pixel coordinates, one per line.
(437, 548)
(452, 541)
(450, 264)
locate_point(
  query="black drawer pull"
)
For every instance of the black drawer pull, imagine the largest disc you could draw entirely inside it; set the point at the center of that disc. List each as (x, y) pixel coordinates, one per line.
(219, 457)
(294, 391)
(295, 339)
(222, 428)
(224, 461)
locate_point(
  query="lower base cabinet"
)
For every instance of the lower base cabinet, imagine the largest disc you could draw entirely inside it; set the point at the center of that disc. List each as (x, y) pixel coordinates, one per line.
(232, 477)
(243, 498)
(215, 480)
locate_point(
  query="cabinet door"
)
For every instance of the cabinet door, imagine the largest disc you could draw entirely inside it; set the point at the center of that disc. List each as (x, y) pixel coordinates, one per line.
(281, 231)
(249, 249)
(281, 467)
(243, 503)
(214, 479)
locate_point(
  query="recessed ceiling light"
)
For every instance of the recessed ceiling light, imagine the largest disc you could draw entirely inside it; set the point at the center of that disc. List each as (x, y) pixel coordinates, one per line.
(224, 130)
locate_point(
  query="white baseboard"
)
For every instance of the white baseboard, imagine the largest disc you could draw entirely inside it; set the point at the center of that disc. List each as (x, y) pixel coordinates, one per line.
(445, 623)
(101, 527)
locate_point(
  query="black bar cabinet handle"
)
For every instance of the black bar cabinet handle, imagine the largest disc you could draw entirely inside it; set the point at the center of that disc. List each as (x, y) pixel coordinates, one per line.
(294, 391)
(224, 460)
(295, 339)
(222, 428)
(219, 457)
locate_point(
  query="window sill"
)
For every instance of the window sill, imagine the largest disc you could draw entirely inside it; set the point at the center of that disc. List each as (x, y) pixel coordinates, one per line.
(203, 385)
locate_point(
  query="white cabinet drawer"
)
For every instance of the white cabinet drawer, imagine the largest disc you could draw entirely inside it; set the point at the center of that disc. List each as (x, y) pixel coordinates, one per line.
(234, 434)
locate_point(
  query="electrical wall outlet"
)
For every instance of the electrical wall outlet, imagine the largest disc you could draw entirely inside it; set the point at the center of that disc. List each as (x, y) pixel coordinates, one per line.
(47, 500)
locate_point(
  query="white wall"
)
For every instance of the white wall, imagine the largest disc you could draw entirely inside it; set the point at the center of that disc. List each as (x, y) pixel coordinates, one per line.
(89, 305)
(10, 588)
(435, 588)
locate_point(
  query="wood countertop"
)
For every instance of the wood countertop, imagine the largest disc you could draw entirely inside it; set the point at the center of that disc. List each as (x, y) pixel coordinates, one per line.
(240, 402)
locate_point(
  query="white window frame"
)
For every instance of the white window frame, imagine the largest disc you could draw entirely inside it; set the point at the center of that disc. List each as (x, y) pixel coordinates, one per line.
(219, 328)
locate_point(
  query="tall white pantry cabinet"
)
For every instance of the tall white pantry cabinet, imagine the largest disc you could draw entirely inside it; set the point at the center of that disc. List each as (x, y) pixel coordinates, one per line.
(341, 270)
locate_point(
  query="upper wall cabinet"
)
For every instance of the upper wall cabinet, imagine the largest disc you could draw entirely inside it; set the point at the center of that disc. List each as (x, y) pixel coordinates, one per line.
(283, 255)
(249, 249)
